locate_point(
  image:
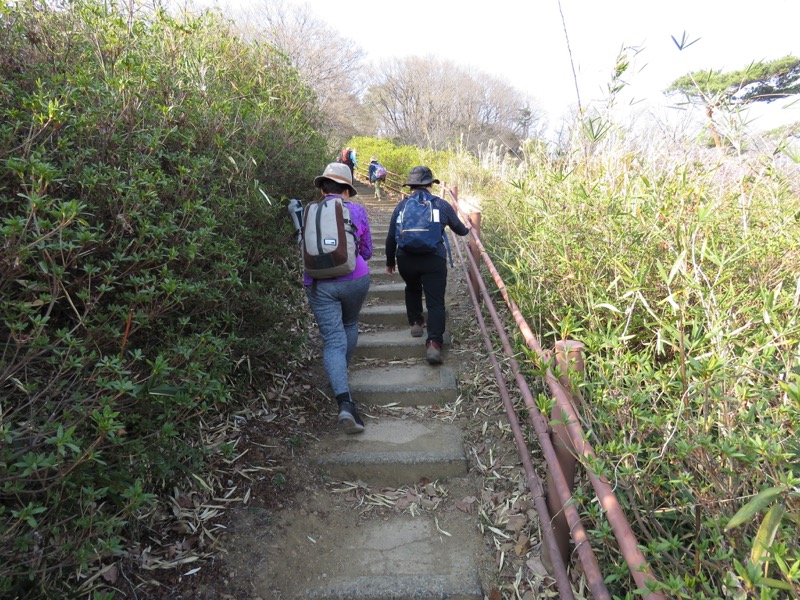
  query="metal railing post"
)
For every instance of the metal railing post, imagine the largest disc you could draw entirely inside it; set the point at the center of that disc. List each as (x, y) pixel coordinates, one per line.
(568, 358)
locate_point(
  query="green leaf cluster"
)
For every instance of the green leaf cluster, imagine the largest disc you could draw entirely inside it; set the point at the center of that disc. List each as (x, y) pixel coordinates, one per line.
(451, 166)
(397, 158)
(146, 253)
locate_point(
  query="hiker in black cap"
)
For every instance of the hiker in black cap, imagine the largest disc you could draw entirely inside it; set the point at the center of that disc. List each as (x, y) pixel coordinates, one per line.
(416, 240)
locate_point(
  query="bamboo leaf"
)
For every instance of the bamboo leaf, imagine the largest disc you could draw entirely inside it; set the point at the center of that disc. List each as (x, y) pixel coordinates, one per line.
(766, 533)
(758, 502)
(610, 307)
(777, 584)
(678, 266)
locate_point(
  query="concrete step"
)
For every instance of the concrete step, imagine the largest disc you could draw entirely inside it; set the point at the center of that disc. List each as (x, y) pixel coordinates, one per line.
(381, 208)
(389, 315)
(392, 290)
(399, 557)
(392, 316)
(405, 385)
(394, 452)
(401, 587)
(378, 275)
(389, 291)
(394, 344)
(378, 255)
(390, 344)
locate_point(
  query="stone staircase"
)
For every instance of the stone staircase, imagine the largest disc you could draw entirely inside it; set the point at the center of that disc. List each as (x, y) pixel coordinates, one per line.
(332, 547)
(410, 557)
(403, 556)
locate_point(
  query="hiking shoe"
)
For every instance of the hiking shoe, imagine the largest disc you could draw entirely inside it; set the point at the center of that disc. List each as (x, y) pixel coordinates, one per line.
(433, 352)
(416, 329)
(349, 419)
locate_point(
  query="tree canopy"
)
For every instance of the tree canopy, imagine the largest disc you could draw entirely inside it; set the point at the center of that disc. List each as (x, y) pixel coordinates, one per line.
(432, 103)
(413, 100)
(758, 82)
(328, 63)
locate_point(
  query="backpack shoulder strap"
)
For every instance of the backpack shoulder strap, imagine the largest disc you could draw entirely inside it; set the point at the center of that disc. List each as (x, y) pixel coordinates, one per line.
(447, 244)
(349, 219)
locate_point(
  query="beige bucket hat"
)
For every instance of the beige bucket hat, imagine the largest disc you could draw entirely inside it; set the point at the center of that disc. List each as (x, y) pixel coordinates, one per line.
(338, 172)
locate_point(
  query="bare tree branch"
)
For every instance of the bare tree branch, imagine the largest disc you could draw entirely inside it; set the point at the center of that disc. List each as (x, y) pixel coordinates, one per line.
(430, 102)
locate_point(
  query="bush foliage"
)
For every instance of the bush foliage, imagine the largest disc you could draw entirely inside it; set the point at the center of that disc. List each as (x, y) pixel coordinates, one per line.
(679, 271)
(144, 255)
(399, 158)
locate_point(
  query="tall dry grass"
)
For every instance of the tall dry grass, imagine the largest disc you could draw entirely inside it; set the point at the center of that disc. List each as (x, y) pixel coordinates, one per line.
(679, 268)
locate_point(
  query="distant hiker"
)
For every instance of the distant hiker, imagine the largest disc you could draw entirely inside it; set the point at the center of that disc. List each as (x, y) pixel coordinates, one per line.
(336, 302)
(416, 239)
(377, 175)
(348, 157)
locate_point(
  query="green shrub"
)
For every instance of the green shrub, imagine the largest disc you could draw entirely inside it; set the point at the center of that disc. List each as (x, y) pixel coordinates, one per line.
(145, 253)
(680, 276)
(399, 158)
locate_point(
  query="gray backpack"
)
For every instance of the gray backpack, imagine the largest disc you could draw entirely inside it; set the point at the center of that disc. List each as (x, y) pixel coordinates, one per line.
(329, 239)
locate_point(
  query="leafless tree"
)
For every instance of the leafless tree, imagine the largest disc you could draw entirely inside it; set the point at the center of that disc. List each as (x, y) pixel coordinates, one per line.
(328, 63)
(431, 102)
(423, 101)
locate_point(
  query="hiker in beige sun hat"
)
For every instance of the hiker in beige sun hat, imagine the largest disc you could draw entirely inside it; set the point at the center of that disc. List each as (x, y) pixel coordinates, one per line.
(338, 172)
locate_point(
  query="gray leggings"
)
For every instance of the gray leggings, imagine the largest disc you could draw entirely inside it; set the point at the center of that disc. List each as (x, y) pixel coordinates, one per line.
(336, 305)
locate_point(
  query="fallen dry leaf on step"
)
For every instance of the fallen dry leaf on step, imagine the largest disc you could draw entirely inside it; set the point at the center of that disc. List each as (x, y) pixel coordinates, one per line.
(111, 574)
(536, 565)
(522, 546)
(516, 523)
(466, 505)
(404, 503)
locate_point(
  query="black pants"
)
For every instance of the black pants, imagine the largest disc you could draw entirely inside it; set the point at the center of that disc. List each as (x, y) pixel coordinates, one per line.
(428, 273)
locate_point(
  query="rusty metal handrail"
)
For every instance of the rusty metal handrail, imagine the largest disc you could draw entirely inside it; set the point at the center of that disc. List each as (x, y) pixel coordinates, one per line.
(393, 182)
(586, 556)
(534, 482)
(626, 539)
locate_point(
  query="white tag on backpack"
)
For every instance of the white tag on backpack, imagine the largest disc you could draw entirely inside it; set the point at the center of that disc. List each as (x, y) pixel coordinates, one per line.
(436, 215)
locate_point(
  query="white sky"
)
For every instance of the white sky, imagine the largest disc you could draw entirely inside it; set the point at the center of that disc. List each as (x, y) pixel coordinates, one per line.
(523, 41)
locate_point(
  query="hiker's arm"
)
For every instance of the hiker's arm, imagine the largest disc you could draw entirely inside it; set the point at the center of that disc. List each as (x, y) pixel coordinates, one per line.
(454, 222)
(391, 242)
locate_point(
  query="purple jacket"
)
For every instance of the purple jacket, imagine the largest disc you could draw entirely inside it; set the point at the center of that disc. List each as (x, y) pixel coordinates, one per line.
(358, 214)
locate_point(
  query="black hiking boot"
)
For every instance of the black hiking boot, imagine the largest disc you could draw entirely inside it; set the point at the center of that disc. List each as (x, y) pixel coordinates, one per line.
(349, 419)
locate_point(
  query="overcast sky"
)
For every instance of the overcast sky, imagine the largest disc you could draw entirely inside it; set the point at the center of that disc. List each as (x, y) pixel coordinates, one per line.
(523, 41)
